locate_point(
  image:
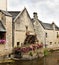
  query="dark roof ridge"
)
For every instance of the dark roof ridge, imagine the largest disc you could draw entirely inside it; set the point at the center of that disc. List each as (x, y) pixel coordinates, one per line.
(47, 23)
(14, 11)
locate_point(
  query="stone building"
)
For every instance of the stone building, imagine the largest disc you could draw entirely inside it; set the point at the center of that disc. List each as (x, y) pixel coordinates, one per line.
(17, 28)
(5, 32)
(5, 29)
(47, 33)
(23, 32)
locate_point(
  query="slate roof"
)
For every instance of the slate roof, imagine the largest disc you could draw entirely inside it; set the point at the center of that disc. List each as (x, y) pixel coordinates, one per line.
(2, 28)
(6, 13)
(14, 13)
(47, 26)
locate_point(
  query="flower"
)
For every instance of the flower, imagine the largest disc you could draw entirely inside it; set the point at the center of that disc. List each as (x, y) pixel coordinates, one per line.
(23, 49)
(2, 41)
(39, 46)
(31, 47)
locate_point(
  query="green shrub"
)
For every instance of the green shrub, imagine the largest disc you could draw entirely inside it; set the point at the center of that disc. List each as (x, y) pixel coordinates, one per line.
(46, 52)
(31, 54)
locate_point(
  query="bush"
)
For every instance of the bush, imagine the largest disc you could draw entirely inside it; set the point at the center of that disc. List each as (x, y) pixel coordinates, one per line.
(45, 52)
(31, 54)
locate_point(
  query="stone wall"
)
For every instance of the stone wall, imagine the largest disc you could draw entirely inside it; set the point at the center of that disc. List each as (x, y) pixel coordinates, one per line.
(39, 31)
(8, 33)
(7, 22)
(20, 27)
(52, 37)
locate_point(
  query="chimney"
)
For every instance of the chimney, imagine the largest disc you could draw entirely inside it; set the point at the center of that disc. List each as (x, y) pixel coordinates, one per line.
(53, 25)
(35, 15)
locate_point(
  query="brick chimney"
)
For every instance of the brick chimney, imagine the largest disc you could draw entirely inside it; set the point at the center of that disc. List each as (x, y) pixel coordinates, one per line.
(35, 15)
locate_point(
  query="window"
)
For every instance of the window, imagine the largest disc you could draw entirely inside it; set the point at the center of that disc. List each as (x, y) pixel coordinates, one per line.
(55, 42)
(3, 19)
(2, 35)
(18, 44)
(46, 35)
(26, 27)
(58, 42)
(50, 43)
(57, 35)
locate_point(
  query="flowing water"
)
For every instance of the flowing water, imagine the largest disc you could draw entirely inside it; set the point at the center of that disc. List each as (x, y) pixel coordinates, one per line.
(52, 59)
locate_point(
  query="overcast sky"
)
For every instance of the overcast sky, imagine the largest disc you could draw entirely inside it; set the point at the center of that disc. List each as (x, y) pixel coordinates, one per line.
(48, 10)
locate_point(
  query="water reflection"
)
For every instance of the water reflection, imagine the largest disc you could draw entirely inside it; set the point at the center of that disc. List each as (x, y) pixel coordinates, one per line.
(53, 59)
(33, 62)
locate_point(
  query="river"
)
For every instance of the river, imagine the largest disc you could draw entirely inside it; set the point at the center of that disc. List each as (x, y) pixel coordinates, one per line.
(52, 59)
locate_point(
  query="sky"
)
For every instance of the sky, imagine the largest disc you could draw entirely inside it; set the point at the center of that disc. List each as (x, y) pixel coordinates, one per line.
(47, 10)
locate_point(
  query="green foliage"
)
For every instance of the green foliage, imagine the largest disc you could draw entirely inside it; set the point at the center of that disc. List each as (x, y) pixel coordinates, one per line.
(46, 52)
(31, 54)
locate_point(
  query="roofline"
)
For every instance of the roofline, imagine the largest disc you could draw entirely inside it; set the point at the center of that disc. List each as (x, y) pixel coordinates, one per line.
(20, 14)
(41, 23)
(14, 11)
(5, 14)
(47, 23)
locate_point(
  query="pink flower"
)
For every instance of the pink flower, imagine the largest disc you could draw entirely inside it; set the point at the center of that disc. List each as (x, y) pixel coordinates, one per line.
(2, 41)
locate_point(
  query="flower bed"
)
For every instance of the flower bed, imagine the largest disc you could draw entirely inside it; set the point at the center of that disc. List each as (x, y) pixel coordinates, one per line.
(31, 47)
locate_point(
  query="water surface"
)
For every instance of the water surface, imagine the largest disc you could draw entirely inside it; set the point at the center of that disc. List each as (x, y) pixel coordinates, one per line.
(53, 59)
